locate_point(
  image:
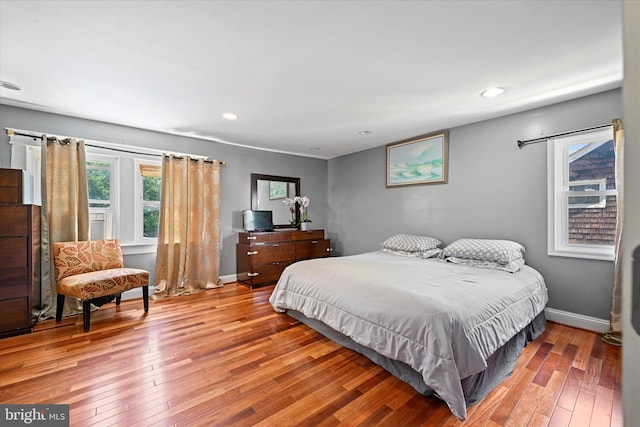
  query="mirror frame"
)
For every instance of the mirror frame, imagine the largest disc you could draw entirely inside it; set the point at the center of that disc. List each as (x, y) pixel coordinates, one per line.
(255, 177)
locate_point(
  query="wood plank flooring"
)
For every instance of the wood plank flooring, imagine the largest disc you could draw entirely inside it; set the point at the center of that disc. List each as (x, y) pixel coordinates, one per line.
(224, 357)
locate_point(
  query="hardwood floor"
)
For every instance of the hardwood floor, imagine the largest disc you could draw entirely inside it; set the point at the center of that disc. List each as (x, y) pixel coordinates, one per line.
(224, 357)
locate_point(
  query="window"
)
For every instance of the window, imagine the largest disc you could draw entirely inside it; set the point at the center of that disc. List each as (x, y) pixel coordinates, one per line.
(148, 210)
(582, 195)
(102, 188)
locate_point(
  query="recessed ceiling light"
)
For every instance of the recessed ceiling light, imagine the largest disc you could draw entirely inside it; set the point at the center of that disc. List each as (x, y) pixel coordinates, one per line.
(9, 85)
(365, 132)
(494, 91)
(230, 116)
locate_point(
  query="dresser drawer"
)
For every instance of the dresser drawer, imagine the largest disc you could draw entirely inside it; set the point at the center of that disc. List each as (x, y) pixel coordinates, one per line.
(15, 220)
(16, 314)
(13, 252)
(14, 282)
(11, 185)
(263, 273)
(264, 237)
(307, 235)
(313, 249)
(261, 254)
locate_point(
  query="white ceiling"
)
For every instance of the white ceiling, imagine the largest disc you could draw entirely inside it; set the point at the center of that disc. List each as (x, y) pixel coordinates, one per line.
(305, 77)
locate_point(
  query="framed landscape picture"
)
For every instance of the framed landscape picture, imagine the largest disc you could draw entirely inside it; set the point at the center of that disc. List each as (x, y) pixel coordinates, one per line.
(420, 160)
(277, 190)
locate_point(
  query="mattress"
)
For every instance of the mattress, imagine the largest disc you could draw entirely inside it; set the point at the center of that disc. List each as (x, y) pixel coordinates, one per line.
(443, 320)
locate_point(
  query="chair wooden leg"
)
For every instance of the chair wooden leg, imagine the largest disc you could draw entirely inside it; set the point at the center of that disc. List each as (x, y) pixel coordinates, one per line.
(118, 299)
(86, 314)
(59, 307)
(145, 298)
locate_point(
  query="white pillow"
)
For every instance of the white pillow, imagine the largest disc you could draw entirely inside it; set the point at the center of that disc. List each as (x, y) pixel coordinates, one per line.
(410, 243)
(431, 253)
(401, 253)
(499, 251)
(510, 267)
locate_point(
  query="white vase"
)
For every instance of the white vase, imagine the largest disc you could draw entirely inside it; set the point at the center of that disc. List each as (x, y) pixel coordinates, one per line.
(304, 226)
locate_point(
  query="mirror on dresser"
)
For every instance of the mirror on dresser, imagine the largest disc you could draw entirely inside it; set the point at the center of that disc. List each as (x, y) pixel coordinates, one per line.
(269, 191)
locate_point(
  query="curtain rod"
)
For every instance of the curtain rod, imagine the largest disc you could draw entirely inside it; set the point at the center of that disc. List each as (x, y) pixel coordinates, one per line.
(545, 138)
(12, 132)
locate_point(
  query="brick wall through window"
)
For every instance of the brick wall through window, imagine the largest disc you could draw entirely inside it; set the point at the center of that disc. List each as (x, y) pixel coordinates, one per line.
(594, 226)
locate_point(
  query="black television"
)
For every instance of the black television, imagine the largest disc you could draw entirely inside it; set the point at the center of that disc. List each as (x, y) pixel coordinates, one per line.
(257, 220)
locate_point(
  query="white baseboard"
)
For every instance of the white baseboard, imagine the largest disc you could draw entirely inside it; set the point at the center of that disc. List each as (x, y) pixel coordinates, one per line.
(577, 320)
(229, 278)
(137, 292)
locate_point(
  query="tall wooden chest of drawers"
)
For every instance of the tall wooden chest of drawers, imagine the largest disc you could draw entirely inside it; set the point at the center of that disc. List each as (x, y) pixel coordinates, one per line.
(261, 256)
(20, 267)
(19, 256)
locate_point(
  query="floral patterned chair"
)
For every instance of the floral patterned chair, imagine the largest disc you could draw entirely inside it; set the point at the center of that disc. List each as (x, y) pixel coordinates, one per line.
(94, 272)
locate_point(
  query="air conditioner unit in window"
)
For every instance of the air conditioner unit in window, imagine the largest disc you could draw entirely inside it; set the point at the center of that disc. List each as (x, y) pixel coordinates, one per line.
(101, 225)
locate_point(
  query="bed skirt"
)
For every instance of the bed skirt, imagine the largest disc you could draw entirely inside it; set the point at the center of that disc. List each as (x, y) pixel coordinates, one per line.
(500, 364)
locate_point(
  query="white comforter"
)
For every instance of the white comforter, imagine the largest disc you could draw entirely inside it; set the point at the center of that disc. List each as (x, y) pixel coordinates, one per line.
(442, 319)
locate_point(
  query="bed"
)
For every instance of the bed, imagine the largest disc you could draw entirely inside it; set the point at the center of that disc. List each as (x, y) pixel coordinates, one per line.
(447, 328)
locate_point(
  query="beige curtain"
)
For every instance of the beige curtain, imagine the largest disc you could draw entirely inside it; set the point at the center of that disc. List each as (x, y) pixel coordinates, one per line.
(614, 334)
(188, 257)
(65, 211)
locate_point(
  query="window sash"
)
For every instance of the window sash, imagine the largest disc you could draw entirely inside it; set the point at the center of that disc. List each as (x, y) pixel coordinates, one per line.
(107, 208)
(145, 168)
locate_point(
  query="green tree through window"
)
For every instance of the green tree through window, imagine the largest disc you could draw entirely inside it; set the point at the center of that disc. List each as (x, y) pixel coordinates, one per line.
(151, 186)
(99, 184)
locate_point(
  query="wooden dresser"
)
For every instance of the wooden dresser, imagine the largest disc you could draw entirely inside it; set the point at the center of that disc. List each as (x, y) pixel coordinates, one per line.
(261, 256)
(19, 256)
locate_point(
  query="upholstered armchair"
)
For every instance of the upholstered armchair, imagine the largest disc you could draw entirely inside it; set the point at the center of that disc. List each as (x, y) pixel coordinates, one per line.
(94, 272)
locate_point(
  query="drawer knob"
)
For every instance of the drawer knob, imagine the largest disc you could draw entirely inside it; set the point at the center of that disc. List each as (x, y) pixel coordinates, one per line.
(252, 253)
(329, 249)
(252, 274)
(314, 241)
(251, 237)
(275, 263)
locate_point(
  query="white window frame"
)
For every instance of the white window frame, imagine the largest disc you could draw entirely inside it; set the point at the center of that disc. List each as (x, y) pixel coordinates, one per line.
(558, 197)
(111, 214)
(140, 203)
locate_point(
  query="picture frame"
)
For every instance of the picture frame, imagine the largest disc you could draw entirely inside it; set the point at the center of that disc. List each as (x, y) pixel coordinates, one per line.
(418, 161)
(277, 190)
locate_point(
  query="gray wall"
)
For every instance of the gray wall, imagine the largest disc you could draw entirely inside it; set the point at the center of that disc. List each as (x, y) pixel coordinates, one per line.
(236, 185)
(495, 190)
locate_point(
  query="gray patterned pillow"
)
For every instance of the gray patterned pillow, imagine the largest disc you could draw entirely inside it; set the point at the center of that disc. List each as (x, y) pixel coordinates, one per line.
(499, 251)
(410, 243)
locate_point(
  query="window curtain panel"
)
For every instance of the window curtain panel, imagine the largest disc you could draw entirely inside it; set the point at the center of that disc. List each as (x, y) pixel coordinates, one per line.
(614, 334)
(64, 215)
(188, 255)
